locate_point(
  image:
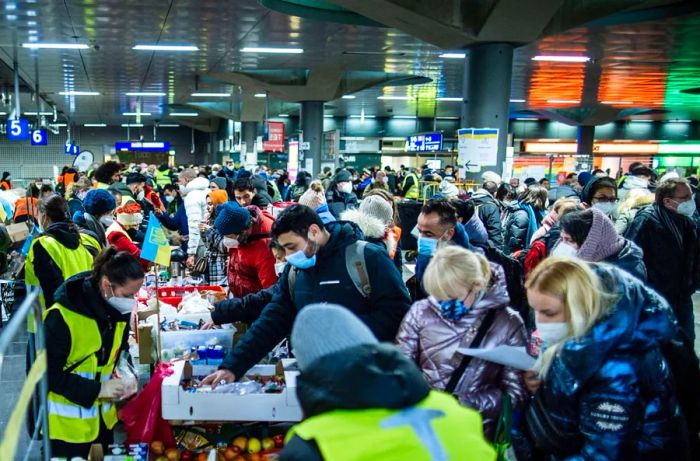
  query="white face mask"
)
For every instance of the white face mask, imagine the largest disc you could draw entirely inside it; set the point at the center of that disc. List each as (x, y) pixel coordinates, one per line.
(565, 249)
(125, 305)
(279, 268)
(140, 196)
(169, 198)
(552, 332)
(686, 208)
(107, 220)
(345, 187)
(230, 243)
(605, 207)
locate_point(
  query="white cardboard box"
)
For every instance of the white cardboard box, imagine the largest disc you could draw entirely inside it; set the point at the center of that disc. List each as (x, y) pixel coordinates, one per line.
(193, 406)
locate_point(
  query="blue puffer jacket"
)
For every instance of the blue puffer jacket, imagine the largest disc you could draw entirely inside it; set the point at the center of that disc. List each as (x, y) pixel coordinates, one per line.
(612, 386)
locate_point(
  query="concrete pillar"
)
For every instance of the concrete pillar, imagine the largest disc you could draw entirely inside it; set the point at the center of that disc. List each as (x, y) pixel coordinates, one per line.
(249, 135)
(312, 128)
(486, 93)
(584, 143)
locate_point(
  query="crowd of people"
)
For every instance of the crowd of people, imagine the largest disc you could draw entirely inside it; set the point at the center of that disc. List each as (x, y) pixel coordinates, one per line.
(593, 276)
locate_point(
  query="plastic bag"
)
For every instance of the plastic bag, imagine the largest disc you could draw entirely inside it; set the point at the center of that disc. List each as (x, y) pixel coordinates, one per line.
(125, 371)
(143, 417)
(240, 388)
(193, 303)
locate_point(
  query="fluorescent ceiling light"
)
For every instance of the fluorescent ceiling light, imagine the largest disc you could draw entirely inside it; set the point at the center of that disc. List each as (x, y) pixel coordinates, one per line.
(40, 113)
(563, 101)
(132, 125)
(95, 125)
(328, 116)
(79, 93)
(405, 116)
(168, 125)
(55, 46)
(166, 48)
(260, 95)
(360, 116)
(679, 121)
(136, 114)
(557, 58)
(211, 95)
(526, 118)
(642, 121)
(283, 115)
(617, 103)
(263, 49)
(449, 99)
(183, 114)
(58, 124)
(447, 118)
(395, 98)
(453, 55)
(146, 93)
(517, 100)
(348, 96)
(3, 113)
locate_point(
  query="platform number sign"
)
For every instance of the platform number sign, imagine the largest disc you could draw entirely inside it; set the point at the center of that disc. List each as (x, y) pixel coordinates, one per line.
(18, 130)
(40, 138)
(71, 149)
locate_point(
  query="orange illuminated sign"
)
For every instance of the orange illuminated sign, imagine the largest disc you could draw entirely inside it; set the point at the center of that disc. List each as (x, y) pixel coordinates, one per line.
(602, 148)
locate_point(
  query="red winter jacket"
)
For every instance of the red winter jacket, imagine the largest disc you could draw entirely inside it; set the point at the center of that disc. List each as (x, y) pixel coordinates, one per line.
(251, 266)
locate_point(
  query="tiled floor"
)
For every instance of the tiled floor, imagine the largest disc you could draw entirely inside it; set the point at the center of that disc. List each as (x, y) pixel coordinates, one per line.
(12, 372)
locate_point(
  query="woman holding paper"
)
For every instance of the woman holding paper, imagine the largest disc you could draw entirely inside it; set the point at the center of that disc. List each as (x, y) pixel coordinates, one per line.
(467, 294)
(605, 389)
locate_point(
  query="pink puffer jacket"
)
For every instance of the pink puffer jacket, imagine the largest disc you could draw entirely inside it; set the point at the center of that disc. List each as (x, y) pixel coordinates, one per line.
(431, 340)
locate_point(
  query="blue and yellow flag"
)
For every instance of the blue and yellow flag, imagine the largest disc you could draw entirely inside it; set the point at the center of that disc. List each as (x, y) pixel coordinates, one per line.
(155, 245)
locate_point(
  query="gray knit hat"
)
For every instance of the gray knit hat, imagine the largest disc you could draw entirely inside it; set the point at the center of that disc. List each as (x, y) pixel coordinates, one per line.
(322, 329)
(377, 207)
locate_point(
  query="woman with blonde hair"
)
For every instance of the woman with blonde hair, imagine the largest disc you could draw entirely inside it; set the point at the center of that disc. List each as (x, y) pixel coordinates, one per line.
(467, 307)
(604, 388)
(635, 200)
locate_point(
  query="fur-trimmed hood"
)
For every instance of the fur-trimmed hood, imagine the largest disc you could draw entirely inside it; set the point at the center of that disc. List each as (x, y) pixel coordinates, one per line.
(370, 226)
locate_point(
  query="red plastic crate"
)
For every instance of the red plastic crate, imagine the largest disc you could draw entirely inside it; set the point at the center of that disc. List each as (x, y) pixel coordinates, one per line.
(174, 295)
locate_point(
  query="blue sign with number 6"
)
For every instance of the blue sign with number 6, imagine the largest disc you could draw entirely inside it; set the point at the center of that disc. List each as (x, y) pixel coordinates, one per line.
(40, 138)
(18, 130)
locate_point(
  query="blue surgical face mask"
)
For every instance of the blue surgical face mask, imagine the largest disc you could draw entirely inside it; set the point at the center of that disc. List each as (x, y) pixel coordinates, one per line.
(427, 245)
(300, 260)
(455, 309)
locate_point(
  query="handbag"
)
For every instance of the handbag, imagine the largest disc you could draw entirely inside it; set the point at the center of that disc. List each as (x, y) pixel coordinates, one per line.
(478, 338)
(201, 265)
(546, 434)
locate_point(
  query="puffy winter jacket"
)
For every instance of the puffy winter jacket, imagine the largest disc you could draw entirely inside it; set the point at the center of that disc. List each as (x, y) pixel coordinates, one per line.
(630, 259)
(195, 208)
(327, 281)
(490, 215)
(612, 386)
(432, 341)
(515, 229)
(671, 258)
(251, 266)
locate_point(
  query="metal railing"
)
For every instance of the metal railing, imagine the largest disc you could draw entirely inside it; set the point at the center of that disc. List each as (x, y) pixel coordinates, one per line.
(35, 386)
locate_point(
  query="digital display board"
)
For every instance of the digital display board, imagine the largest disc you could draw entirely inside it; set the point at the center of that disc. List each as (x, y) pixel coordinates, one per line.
(429, 142)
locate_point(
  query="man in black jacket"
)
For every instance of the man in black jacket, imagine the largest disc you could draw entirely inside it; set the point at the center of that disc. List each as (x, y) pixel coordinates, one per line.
(319, 256)
(489, 212)
(667, 235)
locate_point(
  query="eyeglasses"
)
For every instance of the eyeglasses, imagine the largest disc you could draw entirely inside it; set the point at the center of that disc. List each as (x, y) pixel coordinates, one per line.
(606, 199)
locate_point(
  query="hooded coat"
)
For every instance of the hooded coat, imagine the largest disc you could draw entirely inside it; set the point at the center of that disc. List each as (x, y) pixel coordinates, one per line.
(490, 215)
(195, 209)
(612, 385)
(672, 257)
(48, 274)
(364, 377)
(82, 295)
(516, 229)
(340, 201)
(375, 232)
(432, 341)
(251, 265)
(327, 281)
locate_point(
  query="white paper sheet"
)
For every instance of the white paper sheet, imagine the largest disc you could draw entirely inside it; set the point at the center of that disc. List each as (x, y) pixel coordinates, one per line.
(509, 356)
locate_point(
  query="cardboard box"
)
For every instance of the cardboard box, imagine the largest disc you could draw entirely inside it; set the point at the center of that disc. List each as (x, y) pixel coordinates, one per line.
(146, 344)
(18, 232)
(182, 405)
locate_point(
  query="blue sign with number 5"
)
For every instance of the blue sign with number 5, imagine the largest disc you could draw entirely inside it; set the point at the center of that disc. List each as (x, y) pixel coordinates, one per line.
(40, 138)
(18, 130)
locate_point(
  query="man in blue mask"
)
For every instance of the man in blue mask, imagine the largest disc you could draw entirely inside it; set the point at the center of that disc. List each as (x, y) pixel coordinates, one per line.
(318, 260)
(437, 225)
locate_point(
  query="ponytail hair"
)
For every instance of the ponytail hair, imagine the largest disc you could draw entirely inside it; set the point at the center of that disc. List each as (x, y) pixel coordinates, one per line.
(316, 186)
(118, 266)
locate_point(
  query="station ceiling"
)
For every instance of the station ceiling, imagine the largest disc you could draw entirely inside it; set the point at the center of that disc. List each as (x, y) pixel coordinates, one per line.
(636, 69)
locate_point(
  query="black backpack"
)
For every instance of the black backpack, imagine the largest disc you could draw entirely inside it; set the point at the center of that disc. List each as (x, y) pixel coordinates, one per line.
(514, 281)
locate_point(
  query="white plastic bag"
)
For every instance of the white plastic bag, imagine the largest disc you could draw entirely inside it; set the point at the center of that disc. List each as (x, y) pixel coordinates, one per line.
(126, 372)
(192, 303)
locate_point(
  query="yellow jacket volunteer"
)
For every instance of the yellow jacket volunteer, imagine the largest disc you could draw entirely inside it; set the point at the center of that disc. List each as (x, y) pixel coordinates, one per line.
(410, 187)
(367, 401)
(86, 329)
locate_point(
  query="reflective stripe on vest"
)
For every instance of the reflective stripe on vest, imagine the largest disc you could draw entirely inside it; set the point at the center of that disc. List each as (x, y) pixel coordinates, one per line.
(69, 421)
(437, 429)
(414, 190)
